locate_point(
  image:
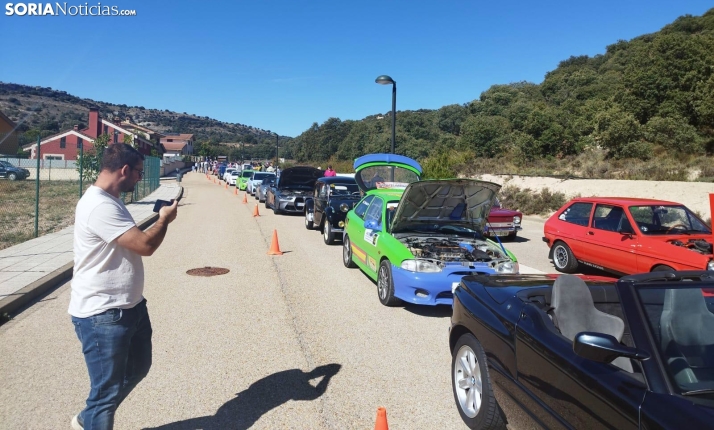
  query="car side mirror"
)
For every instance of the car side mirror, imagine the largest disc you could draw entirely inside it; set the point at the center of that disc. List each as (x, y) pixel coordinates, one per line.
(372, 225)
(604, 348)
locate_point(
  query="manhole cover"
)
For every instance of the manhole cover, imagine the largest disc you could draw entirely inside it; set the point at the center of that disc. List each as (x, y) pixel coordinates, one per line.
(207, 271)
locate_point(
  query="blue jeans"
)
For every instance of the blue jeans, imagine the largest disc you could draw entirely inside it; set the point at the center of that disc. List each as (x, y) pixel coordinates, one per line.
(117, 349)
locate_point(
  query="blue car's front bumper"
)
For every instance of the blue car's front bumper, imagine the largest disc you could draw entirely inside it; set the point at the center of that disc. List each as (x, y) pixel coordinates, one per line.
(433, 288)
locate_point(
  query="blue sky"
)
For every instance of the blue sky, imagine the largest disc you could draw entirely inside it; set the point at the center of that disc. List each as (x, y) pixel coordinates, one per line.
(281, 65)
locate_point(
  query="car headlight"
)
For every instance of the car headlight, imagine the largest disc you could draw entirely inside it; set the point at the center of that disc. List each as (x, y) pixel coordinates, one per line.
(710, 265)
(516, 220)
(422, 266)
(344, 207)
(507, 267)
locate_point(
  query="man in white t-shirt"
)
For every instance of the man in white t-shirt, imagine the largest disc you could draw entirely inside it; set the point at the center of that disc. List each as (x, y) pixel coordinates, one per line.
(107, 304)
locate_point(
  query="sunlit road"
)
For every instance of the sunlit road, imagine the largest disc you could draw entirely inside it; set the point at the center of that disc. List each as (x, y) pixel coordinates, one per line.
(292, 341)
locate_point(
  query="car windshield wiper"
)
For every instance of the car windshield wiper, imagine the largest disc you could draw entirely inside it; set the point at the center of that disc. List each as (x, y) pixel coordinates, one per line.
(698, 392)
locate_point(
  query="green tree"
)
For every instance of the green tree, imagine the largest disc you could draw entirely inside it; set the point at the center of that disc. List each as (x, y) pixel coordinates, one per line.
(91, 160)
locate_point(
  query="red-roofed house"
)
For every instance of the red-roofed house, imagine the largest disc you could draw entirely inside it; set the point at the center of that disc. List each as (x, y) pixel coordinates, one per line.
(65, 145)
(178, 144)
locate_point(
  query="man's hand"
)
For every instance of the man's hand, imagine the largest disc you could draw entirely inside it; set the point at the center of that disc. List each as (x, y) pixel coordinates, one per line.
(168, 213)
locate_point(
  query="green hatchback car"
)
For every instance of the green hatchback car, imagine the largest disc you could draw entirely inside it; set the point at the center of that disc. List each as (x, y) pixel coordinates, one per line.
(417, 239)
(243, 179)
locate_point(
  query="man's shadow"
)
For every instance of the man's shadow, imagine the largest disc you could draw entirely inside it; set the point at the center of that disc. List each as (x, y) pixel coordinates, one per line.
(261, 397)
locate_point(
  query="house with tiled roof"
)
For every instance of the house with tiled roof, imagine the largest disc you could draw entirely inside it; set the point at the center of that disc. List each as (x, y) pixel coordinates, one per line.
(8, 136)
(178, 144)
(66, 144)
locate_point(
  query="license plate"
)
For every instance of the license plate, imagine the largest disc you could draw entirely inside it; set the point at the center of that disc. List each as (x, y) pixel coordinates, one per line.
(299, 204)
(500, 233)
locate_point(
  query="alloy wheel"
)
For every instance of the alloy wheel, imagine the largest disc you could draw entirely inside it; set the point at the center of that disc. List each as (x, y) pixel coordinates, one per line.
(561, 257)
(467, 381)
(383, 282)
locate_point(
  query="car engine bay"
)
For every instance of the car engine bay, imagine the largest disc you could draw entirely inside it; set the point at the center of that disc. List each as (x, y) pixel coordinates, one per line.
(457, 249)
(698, 245)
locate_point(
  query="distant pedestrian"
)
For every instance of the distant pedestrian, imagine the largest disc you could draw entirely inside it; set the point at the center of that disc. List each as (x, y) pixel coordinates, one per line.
(329, 172)
(106, 303)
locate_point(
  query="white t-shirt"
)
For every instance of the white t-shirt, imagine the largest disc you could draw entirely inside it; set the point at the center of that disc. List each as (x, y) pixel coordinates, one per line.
(106, 275)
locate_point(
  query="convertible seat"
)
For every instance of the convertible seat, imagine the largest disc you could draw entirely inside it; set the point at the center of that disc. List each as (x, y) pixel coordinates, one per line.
(687, 333)
(575, 312)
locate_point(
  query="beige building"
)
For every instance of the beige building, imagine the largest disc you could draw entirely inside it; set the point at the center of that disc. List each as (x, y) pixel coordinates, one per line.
(178, 144)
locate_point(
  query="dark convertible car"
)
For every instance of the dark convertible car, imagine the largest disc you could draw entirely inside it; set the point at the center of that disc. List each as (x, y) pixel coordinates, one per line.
(293, 186)
(332, 198)
(561, 351)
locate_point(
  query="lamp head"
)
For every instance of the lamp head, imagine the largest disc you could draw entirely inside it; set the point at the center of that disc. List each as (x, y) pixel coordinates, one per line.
(385, 80)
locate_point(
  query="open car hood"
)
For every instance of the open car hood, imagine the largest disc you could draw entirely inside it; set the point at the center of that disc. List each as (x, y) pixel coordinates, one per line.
(458, 202)
(299, 176)
(374, 171)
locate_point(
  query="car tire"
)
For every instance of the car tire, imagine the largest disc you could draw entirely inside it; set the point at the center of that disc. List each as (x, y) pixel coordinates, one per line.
(662, 268)
(327, 235)
(276, 211)
(385, 284)
(12, 176)
(563, 258)
(469, 371)
(308, 224)
(347, 254)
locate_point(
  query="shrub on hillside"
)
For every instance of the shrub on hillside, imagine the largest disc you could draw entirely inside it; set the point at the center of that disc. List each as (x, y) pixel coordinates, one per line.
(530, 202)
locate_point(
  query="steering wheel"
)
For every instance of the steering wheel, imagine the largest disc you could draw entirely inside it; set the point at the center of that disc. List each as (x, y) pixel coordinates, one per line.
(680, 225)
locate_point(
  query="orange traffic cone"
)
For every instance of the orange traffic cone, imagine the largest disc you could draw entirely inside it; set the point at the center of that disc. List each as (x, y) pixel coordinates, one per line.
(245, 198)
(226, 186)
(274, 247)
(235, 191)
(255, 210)
(381, 423)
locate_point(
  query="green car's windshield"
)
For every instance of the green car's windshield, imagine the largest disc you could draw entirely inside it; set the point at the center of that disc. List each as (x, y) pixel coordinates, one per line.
(660, 220)
(682, 324)
(246, 174)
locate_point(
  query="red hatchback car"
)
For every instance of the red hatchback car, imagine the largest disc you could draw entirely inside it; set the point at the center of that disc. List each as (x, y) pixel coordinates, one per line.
(627, 235)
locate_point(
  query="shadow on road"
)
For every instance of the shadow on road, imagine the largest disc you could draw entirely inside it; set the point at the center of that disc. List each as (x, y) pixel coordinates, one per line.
(438, 311)
(261, 397)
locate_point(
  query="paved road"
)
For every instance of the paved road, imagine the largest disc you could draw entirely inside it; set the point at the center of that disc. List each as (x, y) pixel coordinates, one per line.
(247, 348)
(295, 341)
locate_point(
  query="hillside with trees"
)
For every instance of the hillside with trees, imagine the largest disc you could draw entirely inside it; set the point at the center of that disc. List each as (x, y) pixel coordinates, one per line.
(648, 98)
(44, 111)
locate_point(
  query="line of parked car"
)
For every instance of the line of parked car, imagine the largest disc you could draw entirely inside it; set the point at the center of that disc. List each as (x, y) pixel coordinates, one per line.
(550, 351)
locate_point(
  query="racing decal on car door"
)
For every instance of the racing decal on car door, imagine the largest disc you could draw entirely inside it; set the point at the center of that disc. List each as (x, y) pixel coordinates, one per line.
(372, 263)
(360, 254)
(371, 237)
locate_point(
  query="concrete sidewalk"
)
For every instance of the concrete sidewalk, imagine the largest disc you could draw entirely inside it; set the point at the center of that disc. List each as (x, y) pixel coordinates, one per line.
(31, 268)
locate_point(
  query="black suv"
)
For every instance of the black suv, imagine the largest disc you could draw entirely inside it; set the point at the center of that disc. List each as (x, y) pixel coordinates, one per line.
(11, 172)
(331, 199)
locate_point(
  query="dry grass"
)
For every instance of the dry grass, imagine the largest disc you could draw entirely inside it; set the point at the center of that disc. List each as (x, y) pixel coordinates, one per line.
(17, 209)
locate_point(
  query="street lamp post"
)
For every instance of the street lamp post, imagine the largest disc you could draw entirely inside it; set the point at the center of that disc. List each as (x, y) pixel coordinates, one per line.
(276, 150)
(386, 80)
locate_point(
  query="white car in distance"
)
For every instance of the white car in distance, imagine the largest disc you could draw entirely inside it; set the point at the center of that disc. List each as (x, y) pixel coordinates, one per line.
(227, 173)
(233, 177)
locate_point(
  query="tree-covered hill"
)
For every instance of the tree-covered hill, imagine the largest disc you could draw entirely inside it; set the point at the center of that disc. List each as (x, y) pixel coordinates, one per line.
(45, 111)
(651, 95)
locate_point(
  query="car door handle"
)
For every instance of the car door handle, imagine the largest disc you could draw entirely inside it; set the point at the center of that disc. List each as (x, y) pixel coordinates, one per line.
(591, 233)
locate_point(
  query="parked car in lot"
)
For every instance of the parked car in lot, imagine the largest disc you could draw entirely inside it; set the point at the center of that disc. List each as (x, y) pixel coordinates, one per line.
(627, 235)
(289, 192)
(503, 222)
(549, 351)
(332, 198)
(263, 188)
(417, 239)
(233, 177)
(257, 177)
(11, 172)
(243, 179)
